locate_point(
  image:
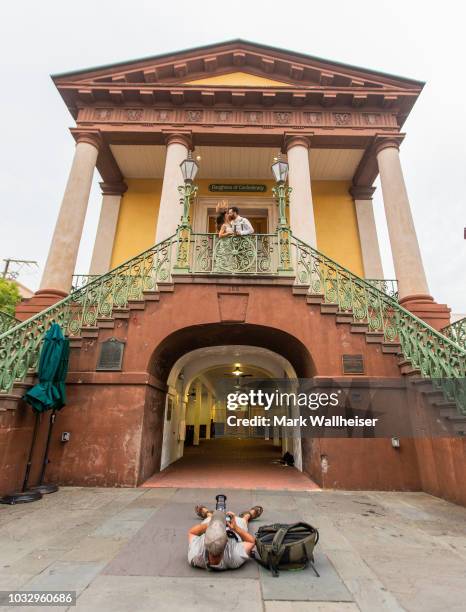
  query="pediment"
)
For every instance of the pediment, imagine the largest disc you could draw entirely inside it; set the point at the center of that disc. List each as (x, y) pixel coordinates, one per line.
(236, 64)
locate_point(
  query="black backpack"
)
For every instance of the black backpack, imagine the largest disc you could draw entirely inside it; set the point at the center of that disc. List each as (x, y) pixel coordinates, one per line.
(286, 547)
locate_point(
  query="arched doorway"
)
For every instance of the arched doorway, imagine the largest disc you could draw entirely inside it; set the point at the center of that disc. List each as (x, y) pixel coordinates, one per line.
(197, 447)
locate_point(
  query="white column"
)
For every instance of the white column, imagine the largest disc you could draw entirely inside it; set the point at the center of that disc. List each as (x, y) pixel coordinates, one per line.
(299, 179)
(64, 247)
(106, 230)
(209, 414)
(406, 254)
(370, 249)
(170, 209)
(197, 413)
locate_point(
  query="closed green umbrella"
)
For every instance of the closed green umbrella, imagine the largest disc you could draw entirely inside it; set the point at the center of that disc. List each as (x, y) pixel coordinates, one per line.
(61, 373)
(47, 394)
(50, 392)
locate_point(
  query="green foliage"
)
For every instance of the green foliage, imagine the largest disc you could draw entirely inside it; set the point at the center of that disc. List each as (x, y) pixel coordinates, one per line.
(9, 296)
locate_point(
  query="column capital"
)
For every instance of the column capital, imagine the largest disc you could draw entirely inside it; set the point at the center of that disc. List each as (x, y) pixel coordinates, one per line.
(296, 140)
(362, 192)
(387, 141)
(92, 137)
(114, 188)
(183, 138)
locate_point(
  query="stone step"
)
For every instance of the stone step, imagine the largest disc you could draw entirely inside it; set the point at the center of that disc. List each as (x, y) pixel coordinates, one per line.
(8, 401)
(166, 287)
(105, 323)
(300, 289)
(344, 317)
(391, 347)
(89, 332)
(407, 368)
(374, 337)
(460, 428)
(120, 313)
(151, 296)
(314, 298)
(452, 414)
(136, 304)
(444, 403)
(329, 308)
(359, 327)
(410, 371)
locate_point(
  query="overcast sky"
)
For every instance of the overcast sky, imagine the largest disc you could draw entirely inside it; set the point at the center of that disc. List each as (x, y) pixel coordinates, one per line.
(418, 39)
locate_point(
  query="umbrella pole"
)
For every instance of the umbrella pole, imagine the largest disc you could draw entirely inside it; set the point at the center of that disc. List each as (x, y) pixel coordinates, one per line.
(46, 488)
(23, 496)
(31, 450)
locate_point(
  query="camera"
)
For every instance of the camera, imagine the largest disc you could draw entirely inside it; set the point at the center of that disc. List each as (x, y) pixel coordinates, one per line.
(221, 504)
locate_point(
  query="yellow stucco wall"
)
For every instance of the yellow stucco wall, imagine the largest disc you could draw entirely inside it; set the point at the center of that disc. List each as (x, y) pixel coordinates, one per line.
(336, 224)
(241, 79)
(334, 211)
(137, 219)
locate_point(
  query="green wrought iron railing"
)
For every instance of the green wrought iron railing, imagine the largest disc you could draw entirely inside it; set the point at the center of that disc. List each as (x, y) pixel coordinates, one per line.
(20, 345)
(435, 355)
(388, 286)
(6, 322)
(457, 332)
(254, 254)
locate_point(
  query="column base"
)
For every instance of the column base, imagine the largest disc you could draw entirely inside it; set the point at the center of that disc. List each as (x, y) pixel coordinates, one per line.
(41, 300)
(424, 307)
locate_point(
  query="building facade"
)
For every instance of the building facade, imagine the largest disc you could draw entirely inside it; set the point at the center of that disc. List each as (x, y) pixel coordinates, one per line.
(293, 299)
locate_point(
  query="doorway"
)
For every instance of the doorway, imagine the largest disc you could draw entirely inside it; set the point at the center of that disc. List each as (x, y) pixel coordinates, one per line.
(262, 212)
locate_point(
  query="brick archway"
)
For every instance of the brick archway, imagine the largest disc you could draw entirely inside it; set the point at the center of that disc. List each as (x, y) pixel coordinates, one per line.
(191, 338)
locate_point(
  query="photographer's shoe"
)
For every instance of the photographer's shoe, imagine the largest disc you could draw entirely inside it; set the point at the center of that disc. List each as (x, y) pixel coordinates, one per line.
(202, 511)
(255, 512)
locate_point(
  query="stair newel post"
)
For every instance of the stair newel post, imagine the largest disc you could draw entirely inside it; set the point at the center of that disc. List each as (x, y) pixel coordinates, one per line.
(281, 193)
(187, 191)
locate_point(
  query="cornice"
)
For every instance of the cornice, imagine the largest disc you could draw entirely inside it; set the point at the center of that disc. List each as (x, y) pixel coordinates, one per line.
(114, 188)
(362, 192)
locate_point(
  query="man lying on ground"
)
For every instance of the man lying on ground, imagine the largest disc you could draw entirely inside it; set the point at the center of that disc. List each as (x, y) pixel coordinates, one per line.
(218, 544)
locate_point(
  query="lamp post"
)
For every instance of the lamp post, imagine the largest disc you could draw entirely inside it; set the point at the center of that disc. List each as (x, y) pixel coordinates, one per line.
(281, 193)
(189, 169)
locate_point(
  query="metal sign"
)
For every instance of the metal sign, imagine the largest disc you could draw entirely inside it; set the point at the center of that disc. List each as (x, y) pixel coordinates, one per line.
(235, 188)
(353, 364)
(111, 355)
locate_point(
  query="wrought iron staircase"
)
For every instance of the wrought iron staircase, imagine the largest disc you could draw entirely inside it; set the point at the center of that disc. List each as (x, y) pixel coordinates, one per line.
(6, 322)
(353, 300)
(456, 332)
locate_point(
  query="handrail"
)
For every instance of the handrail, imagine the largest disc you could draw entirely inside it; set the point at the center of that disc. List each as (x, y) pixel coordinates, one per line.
(434, 354)
(20, 345)
(457, 332)
(7, 321)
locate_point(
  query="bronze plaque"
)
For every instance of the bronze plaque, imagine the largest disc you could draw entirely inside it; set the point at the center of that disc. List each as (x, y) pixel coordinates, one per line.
(353, 364)
(111, 355)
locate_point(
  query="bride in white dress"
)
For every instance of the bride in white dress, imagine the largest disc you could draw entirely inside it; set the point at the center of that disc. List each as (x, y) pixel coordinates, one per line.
(224, 226)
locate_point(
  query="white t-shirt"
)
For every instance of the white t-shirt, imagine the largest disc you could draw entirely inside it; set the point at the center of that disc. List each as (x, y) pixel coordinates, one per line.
(234, 554)
(242, 226)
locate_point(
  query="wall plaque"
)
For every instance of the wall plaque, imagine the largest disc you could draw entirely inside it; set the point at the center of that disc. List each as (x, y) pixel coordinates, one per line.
(111, 355)
(353, 364)
(225, 187)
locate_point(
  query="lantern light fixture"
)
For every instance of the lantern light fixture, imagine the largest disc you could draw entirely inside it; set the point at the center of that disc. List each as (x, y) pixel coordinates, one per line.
(280, 169)
(189, 168)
